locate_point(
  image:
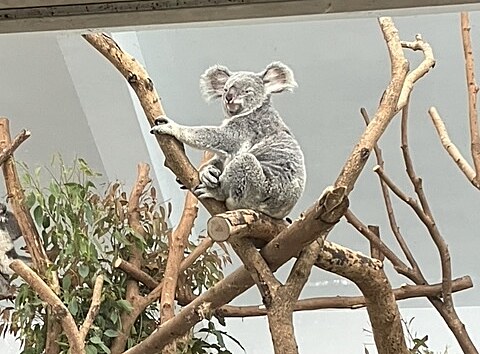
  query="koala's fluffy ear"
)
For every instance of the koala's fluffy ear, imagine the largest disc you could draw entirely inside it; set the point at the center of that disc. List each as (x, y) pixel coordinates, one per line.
(278, 77)
(213, 81)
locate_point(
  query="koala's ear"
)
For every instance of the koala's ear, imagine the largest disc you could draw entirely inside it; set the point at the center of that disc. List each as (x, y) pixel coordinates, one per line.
(278, 77)
(213, 81)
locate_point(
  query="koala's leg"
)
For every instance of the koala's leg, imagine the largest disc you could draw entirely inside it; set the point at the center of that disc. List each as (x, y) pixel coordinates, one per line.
(243, 182)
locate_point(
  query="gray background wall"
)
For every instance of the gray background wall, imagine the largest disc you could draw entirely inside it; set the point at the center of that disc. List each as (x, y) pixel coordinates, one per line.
(74, 102)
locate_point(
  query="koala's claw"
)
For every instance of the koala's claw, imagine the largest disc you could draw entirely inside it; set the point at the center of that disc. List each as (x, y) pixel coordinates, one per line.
(202, 192)
(161, 120)
(182, 186)
(209, 176)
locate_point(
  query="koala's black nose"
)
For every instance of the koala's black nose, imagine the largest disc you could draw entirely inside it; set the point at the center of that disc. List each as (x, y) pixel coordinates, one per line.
(229, 97)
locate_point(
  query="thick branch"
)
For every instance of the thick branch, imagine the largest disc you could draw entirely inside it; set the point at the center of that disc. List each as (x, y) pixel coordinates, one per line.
(472, 93)
(368, 275)
(244, 223)
(143, 86)
(30, 234)
(59, 309)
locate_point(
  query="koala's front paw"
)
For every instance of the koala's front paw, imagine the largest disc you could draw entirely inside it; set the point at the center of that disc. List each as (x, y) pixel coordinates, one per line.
(210, 176)
(163, 125)
(202, 191)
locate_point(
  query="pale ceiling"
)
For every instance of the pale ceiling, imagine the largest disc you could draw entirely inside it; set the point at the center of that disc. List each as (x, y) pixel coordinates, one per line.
(38, 15)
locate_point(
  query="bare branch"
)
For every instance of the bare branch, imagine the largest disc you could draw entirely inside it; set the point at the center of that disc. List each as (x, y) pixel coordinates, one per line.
(390, 213)
(135, 273)
(243, 223)
(30, 234)
(17, 197)
(452, 150)
(416, 74)
(176, 249)
(397, 263)
(405, 292)
(8, 150)
(432, 229)
(94, 308)
(472, 93)
(431, 226)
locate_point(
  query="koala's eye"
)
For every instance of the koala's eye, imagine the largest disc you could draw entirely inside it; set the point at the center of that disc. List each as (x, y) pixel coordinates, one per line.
(249, 91)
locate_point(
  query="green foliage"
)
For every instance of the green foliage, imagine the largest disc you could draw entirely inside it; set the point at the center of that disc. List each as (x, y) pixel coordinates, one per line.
(84, 231)
(208, 345)
(416, 344)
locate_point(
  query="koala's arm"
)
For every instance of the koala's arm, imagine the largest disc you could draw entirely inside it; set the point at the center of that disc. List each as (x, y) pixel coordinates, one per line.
(218, 139)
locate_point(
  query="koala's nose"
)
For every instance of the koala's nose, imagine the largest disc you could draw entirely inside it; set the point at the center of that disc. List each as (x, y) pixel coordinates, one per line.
(229, 97)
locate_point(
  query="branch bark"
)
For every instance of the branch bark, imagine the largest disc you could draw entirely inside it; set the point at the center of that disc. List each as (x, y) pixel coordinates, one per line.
(33, 242)
(132, 294)
(139, 80)
(368, 275)
(176, 249)
(60, 311)
(451, 148)
(348, 302)
(472, 89)
(94, 308)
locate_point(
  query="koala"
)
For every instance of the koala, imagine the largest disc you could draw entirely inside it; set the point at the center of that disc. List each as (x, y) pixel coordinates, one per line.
(9, 232)
(258, 164)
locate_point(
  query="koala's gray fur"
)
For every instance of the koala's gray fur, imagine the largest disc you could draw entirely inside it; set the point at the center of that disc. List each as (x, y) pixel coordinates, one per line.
(9, 232)
(258, 163)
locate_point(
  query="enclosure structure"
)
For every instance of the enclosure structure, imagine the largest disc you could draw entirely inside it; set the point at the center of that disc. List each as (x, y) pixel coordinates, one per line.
(335, 78)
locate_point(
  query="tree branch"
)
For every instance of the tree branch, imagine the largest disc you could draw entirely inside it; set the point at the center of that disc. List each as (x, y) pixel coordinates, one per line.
(472, 93)
(143, 86)
(94, 308)
(135, 273)
(348, 302)
(391, 214)
(368, 275)
(30, 234)
(424, 67)
(450, 147)
(178, 241)
(60, 311)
